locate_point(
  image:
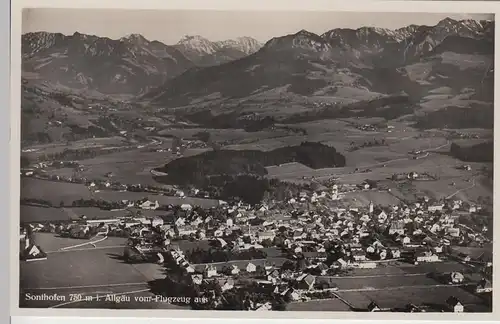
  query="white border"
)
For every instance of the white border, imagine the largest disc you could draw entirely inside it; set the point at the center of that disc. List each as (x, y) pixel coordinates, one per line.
(226, 5)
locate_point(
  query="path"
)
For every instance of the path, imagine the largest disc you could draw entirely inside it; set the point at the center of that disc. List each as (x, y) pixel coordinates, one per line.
(463, 189)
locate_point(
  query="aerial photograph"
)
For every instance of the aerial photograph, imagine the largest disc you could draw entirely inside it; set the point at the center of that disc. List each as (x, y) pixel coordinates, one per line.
(256, 160)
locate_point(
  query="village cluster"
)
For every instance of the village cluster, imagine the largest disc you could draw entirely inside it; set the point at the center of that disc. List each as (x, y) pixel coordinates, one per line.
(289, 250)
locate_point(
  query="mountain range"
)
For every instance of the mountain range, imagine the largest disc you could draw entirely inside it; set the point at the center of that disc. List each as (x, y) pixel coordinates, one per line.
(129, 65)
(436, 73)
(345, 65)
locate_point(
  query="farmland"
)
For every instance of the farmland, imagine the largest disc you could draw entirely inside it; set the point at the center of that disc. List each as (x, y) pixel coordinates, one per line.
(164, 200)
(398, 296)
(54, 192)
(79, 271)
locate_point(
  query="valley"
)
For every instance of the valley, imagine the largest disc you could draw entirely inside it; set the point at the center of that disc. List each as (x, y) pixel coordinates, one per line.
(258, 149)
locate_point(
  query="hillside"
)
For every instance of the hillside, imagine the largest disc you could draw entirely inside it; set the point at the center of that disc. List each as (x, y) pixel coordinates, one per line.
(345, 66)
(130, 65)
(199, 168)
(473, 152)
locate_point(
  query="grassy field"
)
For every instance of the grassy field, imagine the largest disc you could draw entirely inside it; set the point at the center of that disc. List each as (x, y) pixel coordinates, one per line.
(328, 305)
(401, 297)
(38, 150)
(51, 243)
(32, 214)
(79, 268)
(80, 271)
(41, 214)
(54, 192)
(164, 200)
(239, 135)
(363, 198)
(130, 167)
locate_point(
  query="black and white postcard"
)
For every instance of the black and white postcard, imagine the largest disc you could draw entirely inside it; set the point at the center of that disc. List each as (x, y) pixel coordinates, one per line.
(239, 160)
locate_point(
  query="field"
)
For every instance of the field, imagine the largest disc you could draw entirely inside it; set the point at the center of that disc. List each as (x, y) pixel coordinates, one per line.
(398, 298)
(55, 192)
(163, 200)
(80, 271)
(129, 167)
(35, 151)
(40, 214)
(222, 135)
(326, 305)
(362, 198)
(51, 243)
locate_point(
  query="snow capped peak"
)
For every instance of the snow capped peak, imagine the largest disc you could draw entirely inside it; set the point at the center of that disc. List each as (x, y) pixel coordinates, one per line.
(302, 39)
(37, 41)
(245, 44)
(447, 21)
(134, 38)
(197, 43)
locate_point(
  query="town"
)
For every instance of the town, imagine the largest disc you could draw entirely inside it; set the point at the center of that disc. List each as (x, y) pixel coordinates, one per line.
(309, 247)
(330, 164)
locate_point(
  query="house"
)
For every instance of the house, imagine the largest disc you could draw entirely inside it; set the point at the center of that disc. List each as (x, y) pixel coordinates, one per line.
(397, 227)
(263, 307)
(484, 286)
(382, 217)
(435, 208)
(427, 257)
(225, 283)
(396, 253)
(157, 221)
(340, 264)
(363, 265)
(197, 279)
(454, 305)
(251, 267)
(32, 252)
(453, 231)
(455, 278)
(186, 230)
(220, 243)
(269, 235)
(405, 240)
(373, 307)
(149, 205)
(291, 294)
(306, 281)
(234, 270)
(298, 235)
(210, 271)
(273, 275)
(359, 255)
(181, 221)
(219, 232)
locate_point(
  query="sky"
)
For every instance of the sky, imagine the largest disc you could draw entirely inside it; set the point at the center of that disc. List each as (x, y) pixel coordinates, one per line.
(169, 26)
